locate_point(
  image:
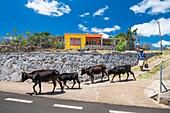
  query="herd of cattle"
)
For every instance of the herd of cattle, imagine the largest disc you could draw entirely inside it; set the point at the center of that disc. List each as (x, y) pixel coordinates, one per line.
(53, 75)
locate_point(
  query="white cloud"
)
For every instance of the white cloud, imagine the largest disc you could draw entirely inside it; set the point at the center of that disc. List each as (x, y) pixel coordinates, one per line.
(116, 27)
(163, 43)
(96, 30)
(85, 14)
(151, 28)
(83, 28)
(100, 11)
(152, 7)
(106, 18)
(105, 35)
(99, 30)
(49, 8)
(105, 30)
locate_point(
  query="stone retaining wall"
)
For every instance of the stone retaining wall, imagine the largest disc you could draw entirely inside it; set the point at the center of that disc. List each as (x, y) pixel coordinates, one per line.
(12, 64)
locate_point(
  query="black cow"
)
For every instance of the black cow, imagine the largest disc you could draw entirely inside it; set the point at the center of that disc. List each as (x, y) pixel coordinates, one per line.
(91, 71)
(69, 76)
(39, 76)
(121, 70)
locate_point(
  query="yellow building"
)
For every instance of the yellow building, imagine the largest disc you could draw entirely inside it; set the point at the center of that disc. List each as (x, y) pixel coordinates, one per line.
(75, 41)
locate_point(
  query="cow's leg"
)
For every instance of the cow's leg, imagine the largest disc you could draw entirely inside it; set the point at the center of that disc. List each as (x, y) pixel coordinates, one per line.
(92, 78)
(54, 83)
(127, 76)
(58, 80)
(74, 82)
(65, 84)
(133, 75)
(34, 87)
(39, 87)
(78, 83)
(102, 76)
(113, 78)
(119, 77)
(107, 75)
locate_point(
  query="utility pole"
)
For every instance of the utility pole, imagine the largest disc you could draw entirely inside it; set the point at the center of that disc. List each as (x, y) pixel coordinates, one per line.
(160, 37)
(161, 83)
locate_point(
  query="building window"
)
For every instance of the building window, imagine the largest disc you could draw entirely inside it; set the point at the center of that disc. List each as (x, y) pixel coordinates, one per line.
(75, 41)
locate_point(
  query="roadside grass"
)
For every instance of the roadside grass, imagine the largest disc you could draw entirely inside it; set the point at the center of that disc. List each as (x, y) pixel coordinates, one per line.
(168, 77)
(166, 52)
(149, 60)
(155, 70)
(149, 73)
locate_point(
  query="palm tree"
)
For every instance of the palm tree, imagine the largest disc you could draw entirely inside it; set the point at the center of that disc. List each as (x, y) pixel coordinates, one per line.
(45, 39)
(130, 34)
(39, 39)
(130, 38)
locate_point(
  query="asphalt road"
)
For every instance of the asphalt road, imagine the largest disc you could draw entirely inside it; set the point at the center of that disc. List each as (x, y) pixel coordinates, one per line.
(17, 103)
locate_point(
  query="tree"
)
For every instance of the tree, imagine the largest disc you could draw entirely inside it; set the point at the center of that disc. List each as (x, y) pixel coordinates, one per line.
(130, 38)
(28, 33)
(147, 46)
(120, 42)
(55, 43)
(46, 40)
(121, 35)
(121, 45)
(41, 40)
(12, 40)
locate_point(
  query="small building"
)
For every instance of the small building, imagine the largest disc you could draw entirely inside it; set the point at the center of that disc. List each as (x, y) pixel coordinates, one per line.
(107, 41)
(77, 41)
(93, 39)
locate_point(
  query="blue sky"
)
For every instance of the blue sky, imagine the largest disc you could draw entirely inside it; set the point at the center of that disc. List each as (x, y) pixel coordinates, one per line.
(109, 17)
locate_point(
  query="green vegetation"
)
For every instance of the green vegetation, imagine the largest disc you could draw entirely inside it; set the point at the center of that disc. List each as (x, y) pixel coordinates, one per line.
(121, 43)
(125, 41)
(130, 38)
(30, 42)
(167, 52)
(121, 46)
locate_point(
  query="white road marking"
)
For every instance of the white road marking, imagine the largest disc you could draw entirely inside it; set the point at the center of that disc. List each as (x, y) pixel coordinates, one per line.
(19, 100)
(114, 111)
(68, 106)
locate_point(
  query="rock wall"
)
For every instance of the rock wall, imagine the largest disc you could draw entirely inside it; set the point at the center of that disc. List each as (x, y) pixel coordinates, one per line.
(12, 64)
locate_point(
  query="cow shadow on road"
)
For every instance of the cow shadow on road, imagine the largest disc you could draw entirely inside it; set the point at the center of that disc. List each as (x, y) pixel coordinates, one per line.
(95, 82)
(99, 81)
(129, 80)
(47, 93)
(73, 88)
